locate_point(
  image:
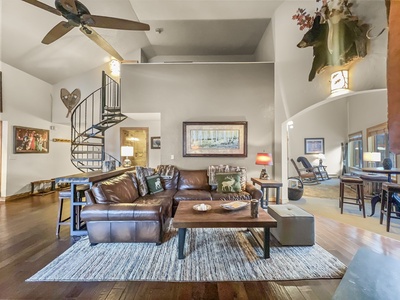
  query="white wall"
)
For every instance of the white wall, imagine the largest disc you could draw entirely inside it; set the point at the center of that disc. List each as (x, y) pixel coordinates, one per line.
(204, 92)
(27, 102)
(295, 94)
(87, 82)
(328, 121)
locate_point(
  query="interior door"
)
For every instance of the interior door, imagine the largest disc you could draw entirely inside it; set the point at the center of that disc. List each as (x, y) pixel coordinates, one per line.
(137, 137)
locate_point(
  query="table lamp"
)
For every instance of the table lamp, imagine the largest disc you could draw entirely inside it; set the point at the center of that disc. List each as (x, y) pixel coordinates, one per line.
(127, 151)
(264, 159)
(320, 156)
(372, 157)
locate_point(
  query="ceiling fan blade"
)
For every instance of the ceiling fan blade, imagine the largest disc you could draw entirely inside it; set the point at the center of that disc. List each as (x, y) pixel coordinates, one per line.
(43, 6)
(113, 23)
(56, 32)
(95, 37)
(69, 5)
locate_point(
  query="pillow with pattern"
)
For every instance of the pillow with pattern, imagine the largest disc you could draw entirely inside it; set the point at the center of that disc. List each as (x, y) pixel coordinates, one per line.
(141, 174)
(154, 184)
(228, 182)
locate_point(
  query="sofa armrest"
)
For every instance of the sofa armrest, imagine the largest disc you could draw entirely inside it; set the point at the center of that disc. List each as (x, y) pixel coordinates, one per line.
(121, 211)
(253, 191)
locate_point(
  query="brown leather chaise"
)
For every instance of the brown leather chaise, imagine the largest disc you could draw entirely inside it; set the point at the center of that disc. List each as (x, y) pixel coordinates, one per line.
(115, 212)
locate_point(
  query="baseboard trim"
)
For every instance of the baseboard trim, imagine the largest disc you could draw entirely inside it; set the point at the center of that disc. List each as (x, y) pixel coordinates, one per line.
(15, 197)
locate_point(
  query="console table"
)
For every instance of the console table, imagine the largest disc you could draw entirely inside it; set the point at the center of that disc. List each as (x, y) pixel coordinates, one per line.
(85, 178)
(266, 184)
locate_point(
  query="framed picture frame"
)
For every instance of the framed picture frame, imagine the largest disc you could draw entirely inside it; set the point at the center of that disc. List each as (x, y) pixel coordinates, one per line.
(155, 142)
(215, 139)
(314, 146)
(30, 140)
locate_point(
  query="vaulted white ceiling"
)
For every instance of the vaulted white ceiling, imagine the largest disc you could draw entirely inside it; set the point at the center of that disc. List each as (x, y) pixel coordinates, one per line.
(189, 28)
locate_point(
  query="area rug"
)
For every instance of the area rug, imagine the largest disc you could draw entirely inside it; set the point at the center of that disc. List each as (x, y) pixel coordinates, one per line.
(211, 255)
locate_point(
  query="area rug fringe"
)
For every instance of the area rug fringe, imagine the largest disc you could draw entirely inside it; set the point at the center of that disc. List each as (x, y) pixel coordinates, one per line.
(211, 255)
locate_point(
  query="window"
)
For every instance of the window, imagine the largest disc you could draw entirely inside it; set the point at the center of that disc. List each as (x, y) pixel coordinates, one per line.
(378, 141)
(355, 150)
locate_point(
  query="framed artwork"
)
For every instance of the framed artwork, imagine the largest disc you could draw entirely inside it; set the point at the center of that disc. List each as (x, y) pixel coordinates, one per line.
(314, 146)
(215, 139)
(155, 142)
(31, 140)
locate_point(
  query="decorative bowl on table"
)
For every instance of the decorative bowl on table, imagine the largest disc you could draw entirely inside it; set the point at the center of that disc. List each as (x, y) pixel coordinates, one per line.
(202, 207)
(234, 205)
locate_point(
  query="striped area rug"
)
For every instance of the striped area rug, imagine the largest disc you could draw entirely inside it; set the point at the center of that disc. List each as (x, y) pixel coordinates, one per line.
(211, 255)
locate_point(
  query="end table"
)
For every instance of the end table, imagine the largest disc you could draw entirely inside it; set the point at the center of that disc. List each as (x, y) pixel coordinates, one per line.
(266, 184)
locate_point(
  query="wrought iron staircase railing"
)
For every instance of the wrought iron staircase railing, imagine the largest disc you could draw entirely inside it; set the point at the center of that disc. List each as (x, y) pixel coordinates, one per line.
(89, 121)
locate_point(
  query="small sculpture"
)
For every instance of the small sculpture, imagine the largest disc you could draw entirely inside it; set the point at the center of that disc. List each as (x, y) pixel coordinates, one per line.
(70, 100)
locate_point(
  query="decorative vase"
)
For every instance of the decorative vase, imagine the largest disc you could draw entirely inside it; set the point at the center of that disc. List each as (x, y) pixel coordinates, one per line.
(387, 163)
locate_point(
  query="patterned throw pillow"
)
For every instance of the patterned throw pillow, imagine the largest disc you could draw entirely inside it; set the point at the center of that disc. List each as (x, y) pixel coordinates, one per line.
(214, 169)
(228, 182)
(154, 184)
(141, 174)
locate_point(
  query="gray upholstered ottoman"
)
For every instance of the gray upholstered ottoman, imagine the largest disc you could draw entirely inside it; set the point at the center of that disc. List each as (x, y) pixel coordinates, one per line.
(295, 226)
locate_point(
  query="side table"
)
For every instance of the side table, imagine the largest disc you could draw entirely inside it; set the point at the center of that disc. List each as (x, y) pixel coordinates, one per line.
(266, 184)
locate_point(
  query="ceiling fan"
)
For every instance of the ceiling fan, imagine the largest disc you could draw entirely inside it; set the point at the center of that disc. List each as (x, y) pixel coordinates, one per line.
(78, 15)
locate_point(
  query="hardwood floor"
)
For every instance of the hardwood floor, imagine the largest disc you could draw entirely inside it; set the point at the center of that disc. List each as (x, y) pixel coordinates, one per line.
(28, 243)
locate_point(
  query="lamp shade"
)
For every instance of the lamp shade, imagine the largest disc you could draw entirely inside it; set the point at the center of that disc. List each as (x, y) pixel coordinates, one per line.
(372, 156)
(264, 159)
(339, 80)
(126, 151)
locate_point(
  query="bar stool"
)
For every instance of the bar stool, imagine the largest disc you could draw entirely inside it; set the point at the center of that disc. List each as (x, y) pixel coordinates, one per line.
(66, 194)
(387, 202)
(359, 200)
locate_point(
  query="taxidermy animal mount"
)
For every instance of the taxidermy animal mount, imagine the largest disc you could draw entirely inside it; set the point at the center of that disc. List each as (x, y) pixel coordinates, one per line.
(78, 15)
(335, 44)
(70, 100)
(336, 35)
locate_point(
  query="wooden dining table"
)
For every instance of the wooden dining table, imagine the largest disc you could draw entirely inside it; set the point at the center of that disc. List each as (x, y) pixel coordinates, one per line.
(86, 178)
(380, 170)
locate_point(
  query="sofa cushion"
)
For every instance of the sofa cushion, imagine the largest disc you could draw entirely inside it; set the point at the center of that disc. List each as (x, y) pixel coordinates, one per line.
(141, 173)
(191, 195)
(193, 180)
(120, 189)
(231, 196)
(154, 184)
(228, 182)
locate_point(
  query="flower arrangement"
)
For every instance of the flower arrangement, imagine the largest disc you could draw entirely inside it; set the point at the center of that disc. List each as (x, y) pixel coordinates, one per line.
(333, 10)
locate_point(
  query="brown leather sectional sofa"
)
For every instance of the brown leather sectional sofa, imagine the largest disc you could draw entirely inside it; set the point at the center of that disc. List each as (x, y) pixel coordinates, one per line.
(115, 211)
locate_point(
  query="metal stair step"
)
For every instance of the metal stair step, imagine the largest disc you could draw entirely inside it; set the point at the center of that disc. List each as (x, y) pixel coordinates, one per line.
(116, 108)
(87, 152)
(86, 159)
(88, 144)
(94, 136)
(90, 167)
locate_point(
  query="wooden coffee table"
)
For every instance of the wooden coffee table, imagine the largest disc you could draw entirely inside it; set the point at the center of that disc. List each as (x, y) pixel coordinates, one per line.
(186, 217)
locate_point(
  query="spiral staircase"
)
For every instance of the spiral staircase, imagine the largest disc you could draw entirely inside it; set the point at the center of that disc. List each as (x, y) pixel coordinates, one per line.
(90, 119)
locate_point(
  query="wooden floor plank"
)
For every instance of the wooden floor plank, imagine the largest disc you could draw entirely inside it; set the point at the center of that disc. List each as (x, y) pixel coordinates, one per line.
(28, 243)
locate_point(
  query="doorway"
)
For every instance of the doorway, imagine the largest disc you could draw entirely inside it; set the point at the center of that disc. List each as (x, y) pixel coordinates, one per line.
(137, 137)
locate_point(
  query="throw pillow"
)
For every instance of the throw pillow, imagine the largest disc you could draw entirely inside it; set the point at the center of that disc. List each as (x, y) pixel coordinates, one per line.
(141, 173)
(228, 182)
(154, 184)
